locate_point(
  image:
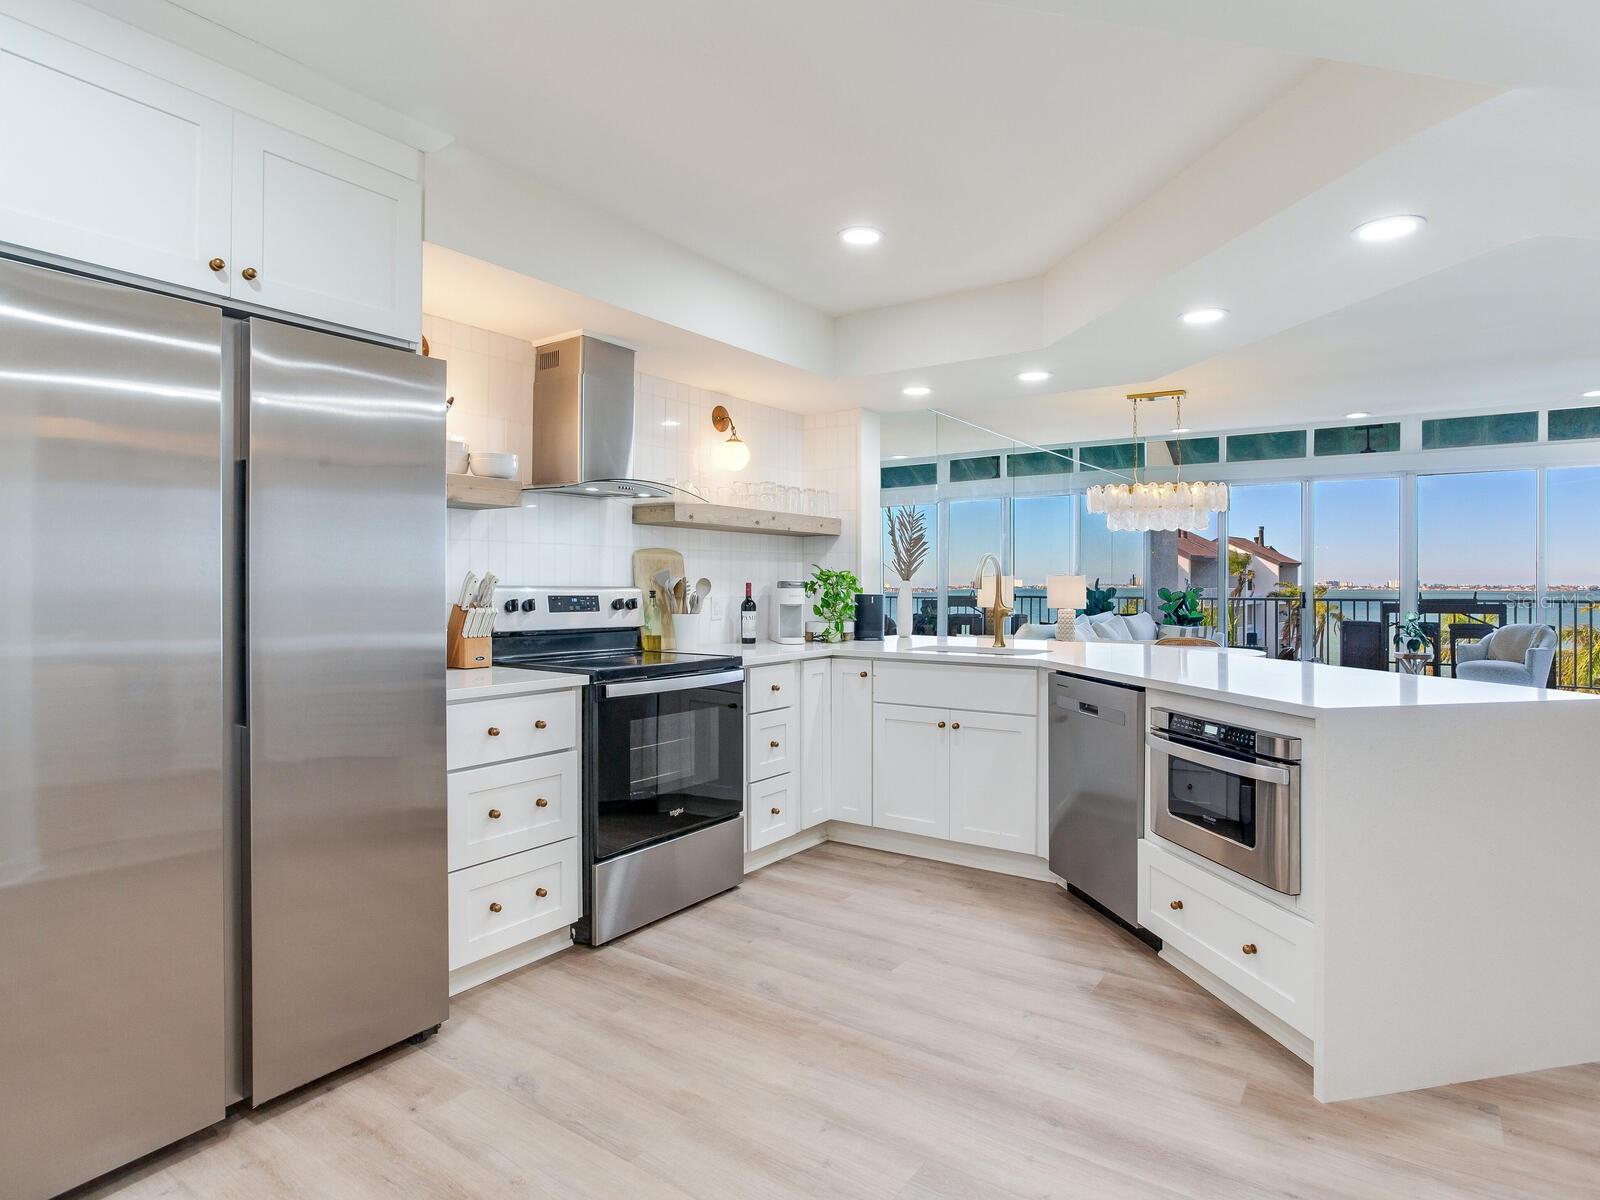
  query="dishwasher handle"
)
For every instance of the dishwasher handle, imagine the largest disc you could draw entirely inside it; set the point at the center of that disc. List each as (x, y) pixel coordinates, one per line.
(1083, 708)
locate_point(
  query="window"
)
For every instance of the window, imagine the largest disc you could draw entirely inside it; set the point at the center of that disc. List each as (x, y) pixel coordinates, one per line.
(1028, 463)
(1356, 439)
(1183, 559)
(1500, 429)
(908, 475)
(1119, 457)
(1115, 559)
(1568, 424)
(920, 605)
(1572, 573)
(966, 470)
(1356, 538)
(1185, 451)
(976, 528)
(1264, 447)
(1477, 537)
(1041, 546)
(1264, 560)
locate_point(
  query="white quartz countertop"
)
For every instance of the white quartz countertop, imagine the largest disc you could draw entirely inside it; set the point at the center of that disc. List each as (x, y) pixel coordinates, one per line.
(1243, 677)
(480, 683)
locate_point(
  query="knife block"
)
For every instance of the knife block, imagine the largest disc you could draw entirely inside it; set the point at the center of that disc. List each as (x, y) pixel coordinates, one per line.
(464, 653)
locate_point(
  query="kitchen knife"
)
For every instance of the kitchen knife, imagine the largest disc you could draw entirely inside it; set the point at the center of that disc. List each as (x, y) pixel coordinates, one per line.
(466, 589)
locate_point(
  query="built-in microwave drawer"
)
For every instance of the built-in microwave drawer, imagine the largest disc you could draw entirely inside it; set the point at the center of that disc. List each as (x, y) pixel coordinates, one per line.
(485, 731)
(1247, 942)
(777, 686)
(508, 807)
(497, 905)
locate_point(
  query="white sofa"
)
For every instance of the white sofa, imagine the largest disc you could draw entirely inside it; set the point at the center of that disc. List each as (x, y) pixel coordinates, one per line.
(1138, 628)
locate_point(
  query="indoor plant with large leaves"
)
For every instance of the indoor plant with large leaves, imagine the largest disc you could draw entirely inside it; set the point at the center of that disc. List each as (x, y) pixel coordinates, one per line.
(833, 596)
(1181, 614)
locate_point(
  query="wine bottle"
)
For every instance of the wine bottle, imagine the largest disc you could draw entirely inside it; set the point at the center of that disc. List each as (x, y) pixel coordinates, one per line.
(747, 618)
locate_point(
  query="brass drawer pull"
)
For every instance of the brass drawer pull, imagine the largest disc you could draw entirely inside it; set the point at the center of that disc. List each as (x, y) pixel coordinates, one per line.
(955, 725)
(777, 811)
(541, 892)
(494, 814)
(248, 272)
(1176, 905)
(1249, 947)
(494, 906)
(941, 724)
(776, 688)
(216, 264)
(538, 724)
(541, 802)
(493, 732)
(863, 674)
(774, 745)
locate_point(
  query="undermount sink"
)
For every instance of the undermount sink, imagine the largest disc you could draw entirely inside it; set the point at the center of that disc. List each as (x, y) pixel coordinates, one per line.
(976, 650)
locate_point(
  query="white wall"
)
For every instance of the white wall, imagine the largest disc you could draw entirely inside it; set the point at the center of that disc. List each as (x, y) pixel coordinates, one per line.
(555, 539)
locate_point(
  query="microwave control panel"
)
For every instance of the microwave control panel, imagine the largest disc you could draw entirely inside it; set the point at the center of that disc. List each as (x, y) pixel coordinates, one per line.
(1235, 737)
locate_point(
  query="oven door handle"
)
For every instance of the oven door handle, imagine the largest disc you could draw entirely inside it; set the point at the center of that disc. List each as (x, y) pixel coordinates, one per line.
(1265, 772)
(676, 683)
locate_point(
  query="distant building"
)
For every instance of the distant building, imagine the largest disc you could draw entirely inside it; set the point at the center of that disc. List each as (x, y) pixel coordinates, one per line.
(1267, 568)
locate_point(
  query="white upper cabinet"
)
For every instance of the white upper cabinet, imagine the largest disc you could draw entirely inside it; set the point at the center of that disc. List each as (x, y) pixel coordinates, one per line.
(323, 234)
(128, 174)
(109, 166)
(994, 791)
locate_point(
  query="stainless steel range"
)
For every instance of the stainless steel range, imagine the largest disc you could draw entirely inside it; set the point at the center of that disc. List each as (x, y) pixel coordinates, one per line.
(663, 753)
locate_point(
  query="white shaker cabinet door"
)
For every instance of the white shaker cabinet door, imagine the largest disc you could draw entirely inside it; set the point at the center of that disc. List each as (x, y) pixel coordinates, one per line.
(110, 167)
(911, 769)
(322, 234)
(994, 780)
(816, 734)
(850, 747)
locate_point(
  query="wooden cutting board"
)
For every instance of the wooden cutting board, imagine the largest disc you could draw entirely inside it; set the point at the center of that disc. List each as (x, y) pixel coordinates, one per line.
(646, 564)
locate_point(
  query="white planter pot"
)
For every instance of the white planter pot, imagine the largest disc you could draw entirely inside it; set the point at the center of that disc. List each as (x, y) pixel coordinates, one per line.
(1192, 631)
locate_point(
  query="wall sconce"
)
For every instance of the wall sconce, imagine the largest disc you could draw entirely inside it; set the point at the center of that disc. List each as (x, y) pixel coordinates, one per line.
(733, 454)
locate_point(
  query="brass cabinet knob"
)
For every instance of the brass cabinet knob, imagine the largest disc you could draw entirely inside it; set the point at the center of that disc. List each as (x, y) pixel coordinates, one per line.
(955, 725)
(538, 724)
(541, 802)
(777, 811)
(541, 892)
(494, 906)
(776, 688)
(774, 745)
(941, 724)
(494, 814)
(248, 272)
(863, 674)
(493, 731)
(1175, 905)
(216, 264)
(1249, 947)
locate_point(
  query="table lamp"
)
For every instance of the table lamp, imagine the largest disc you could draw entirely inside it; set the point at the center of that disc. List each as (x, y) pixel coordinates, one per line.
(1067, 594)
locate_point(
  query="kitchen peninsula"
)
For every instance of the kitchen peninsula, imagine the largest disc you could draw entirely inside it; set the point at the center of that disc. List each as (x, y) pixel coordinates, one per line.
(1440, 930)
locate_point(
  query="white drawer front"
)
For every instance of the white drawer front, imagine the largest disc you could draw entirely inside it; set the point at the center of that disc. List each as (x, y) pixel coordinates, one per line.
(510, 807)
(485, 731)
(772, 811)
(504, 903)
(770, 744)
(935, 685)
(773, 687)
(1245, 941)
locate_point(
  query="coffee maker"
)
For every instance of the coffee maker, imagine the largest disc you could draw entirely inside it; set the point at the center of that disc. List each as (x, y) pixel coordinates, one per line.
(789, 612)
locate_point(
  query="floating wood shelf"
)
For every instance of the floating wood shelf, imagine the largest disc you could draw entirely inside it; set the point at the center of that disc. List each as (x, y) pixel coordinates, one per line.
(676, 514)
(478, 491)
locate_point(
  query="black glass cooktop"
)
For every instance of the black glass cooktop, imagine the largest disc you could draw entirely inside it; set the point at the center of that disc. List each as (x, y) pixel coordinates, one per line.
(614, 664)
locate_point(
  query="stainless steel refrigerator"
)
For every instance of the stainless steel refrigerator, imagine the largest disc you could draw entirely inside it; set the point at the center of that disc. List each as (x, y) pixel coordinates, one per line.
(222, 815)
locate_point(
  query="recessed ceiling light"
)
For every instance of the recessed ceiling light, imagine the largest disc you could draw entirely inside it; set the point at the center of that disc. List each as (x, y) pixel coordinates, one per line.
(669, 423)
(1356, 416)
(1179, 429)
(1592, 395)
(1032, 376)
(861, 235)
(916, 389)
(897, 457)
(1204, 316)
(1390, 229)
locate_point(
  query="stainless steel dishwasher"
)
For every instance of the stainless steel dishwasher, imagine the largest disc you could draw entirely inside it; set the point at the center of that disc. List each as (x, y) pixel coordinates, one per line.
(1097, 792)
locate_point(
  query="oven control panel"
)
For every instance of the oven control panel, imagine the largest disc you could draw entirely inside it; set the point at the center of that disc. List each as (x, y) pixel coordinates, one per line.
(570, 603)
(1235, 737)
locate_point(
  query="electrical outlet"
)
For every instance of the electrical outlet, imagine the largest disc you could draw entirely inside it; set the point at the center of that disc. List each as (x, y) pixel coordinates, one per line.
(717, 604)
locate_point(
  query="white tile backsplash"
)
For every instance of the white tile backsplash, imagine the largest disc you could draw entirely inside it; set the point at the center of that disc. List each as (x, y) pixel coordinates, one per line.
(555, 539)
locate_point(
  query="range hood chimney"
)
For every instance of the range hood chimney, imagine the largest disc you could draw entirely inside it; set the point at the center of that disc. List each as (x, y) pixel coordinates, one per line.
(583, 420)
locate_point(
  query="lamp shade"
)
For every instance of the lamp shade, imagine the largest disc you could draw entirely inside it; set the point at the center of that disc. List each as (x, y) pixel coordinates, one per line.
(733, 454)
(1070, 592)
(986, 591)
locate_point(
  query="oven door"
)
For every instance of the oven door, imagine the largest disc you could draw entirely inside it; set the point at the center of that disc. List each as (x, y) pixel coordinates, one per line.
(1241, 812)
(668, 759)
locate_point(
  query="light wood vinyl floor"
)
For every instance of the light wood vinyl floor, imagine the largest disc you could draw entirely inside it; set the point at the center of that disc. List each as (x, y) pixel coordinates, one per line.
(853, 1024)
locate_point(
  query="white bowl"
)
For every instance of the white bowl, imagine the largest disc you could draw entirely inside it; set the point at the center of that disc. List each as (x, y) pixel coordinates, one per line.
(493, 464)
(455, 455)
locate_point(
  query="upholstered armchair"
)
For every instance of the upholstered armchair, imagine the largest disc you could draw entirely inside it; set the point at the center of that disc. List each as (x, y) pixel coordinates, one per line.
(1518, 654)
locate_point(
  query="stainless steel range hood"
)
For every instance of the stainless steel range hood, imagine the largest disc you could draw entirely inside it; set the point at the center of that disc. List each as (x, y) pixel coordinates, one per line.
(583, 420)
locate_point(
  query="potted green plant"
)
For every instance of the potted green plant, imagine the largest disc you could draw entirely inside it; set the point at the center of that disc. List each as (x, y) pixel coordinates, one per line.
(1099, 600)
(1181, 613)
(833, 599)
(1413, 644)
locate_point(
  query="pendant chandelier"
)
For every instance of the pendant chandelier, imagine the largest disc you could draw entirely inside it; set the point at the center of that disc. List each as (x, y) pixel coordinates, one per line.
(1138, 506)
